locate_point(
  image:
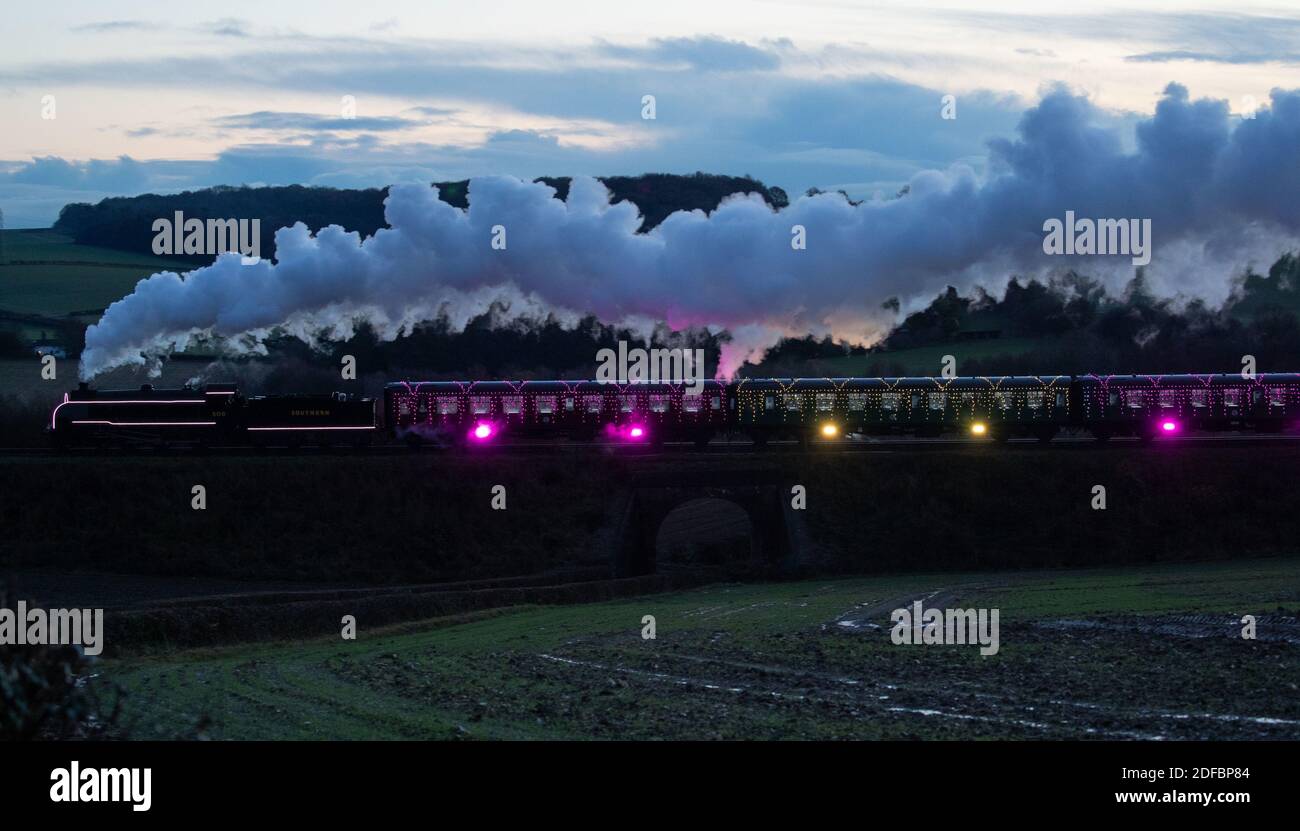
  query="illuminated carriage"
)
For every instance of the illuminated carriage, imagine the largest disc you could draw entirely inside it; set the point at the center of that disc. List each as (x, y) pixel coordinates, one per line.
(480, 412)
(1152, 405)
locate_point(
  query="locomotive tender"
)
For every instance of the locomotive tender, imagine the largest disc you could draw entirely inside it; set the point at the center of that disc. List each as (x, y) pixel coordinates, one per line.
(820, 409)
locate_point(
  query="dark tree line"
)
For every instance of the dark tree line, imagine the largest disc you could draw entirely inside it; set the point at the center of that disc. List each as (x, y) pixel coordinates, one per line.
(126, 222)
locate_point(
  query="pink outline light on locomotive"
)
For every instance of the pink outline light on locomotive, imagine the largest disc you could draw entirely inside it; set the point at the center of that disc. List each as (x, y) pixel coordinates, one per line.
(54, 415)
(251, 429)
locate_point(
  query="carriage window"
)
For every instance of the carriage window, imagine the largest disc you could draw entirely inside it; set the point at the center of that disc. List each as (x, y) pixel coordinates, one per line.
(691, 403)
(512, 404)
(968, 398)
(1034, 399)
(1276, 396)
(793, 402)
(627, 404)
(1169, 398)
(1113, 398)
(938, 400)
(857, 401)
(1232, 398)
(1197, 397)
(659, 403)
(448, 406)
(825, 401)
(1060, 399)
(769, 402)
(1257, 395)
(715, 403)
(481, 404)
(404, 406)
(1136, 399)
(889, 401)
(545, 404)
(1002, 400)
(593, 403)
(916, 400)
(568, 403)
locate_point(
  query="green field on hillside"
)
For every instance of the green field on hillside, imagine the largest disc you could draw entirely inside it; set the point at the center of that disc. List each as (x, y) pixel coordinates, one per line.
(46, 273)
(1115, 653)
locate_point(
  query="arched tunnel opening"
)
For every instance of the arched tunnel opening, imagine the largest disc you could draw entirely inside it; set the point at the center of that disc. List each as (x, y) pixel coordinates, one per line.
(705, 533)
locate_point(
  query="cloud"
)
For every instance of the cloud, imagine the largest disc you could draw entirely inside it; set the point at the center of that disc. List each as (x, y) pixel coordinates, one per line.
(106, 26)
(708, 53)
(268, 120)
(1213, 57)
(1216, 196)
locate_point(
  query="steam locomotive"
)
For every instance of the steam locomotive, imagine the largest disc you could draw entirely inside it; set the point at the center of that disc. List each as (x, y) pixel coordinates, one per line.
(447, 413)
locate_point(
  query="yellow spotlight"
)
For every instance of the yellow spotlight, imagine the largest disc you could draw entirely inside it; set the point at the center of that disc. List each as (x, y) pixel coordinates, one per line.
(978, 429)
(829, 430)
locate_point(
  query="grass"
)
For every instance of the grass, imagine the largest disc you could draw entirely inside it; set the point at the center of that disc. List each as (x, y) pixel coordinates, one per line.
(758, 661)
(44, 272)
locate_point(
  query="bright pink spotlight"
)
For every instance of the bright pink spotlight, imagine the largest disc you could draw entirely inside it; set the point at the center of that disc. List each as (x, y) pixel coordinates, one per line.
(636, 432)
(1169, 426)
(483, 431)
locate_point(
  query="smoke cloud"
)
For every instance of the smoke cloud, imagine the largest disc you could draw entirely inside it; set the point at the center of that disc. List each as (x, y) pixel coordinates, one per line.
(1220, 193)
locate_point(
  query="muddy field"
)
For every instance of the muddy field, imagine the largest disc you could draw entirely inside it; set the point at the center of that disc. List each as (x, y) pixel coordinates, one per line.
(1134, 653)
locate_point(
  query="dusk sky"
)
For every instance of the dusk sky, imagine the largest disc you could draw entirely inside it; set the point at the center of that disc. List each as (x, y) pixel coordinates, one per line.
(162, 97)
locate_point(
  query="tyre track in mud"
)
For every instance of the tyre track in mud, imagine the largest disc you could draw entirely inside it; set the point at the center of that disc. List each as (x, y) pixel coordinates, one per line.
(937, 698)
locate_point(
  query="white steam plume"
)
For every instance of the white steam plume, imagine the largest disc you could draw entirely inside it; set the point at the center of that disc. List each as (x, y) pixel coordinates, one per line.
(1219, 196)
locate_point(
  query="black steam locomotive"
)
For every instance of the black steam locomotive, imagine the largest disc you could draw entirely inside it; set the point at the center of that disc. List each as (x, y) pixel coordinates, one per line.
(807, 409)
(215, 414)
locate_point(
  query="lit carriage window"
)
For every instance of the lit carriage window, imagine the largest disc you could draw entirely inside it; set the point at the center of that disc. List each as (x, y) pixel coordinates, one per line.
(404, 406)
(857, 401)
(715, 402)
(1002, 400)
(1136, 399)
(916, 400)
(793, 402)
(628, 403)
(1232, 398)
(1169, 398)
(512, 404)
(448, 406)
(568, 403)
(421, 405)
(1257, 395)
(659, 403)
(481, 404)
(593, 403)
(968, 398)
(769, 402)
(691, 403)
(1113, 398)
(1034, 399)
(889, 401)
(1276, 396)
(825, 401)
(545, 404)
(1060, 399)
(1198, 398)
(938, 400)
